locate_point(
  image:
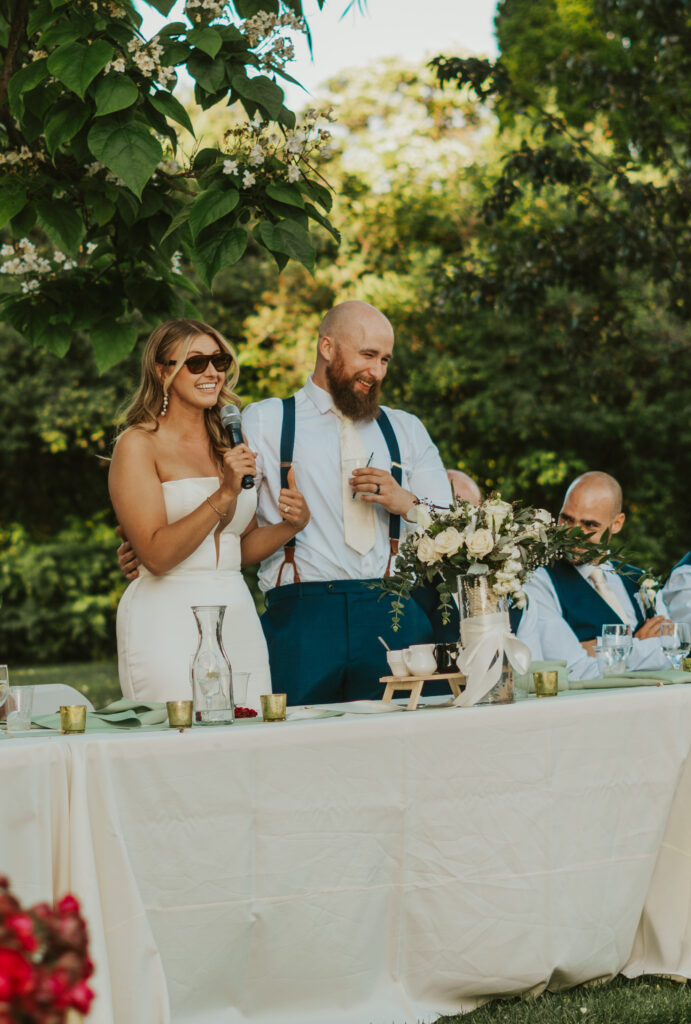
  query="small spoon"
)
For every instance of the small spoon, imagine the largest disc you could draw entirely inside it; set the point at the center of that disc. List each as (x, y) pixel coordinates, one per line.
(383, 642)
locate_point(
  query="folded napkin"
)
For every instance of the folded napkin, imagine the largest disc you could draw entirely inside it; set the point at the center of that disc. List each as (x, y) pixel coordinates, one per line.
(664, 677)
(121, 714)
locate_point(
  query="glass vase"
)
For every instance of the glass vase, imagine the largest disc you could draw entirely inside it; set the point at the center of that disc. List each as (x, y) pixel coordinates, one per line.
(475, 598)
(210, 669)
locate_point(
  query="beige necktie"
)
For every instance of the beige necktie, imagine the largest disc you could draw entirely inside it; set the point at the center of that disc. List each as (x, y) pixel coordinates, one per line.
(597, 578)
(359, 528)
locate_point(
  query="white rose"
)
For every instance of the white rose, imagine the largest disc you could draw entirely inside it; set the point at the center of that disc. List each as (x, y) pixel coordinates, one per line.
(420, 514)
(496, 512)
(512, 566)
(480, 543)
(426, 550)
(519, 598)
(543, 516)
(448, 541)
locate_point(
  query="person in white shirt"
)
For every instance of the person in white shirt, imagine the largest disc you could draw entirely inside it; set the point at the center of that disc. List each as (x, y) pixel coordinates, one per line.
(571, 602)
(322, 621)
(361, 467)
(677, 591)
(464, 487)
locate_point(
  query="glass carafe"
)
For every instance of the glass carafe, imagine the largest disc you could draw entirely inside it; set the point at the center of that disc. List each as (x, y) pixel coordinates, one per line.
(210, 670)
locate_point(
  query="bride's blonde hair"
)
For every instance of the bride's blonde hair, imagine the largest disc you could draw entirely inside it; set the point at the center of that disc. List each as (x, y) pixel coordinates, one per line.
(147, 403)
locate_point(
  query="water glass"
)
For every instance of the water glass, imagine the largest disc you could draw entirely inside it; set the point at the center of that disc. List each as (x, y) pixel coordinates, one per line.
(614, 648)
(675, 639)
(238, 685)
(4, 684)
(19, 707)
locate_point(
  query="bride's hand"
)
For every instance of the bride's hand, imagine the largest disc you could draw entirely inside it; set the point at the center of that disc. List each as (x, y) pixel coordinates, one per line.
(292, 505)
(237, 462)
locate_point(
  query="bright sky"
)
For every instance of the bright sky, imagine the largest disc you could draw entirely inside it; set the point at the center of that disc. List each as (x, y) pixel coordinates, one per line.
(413, 29)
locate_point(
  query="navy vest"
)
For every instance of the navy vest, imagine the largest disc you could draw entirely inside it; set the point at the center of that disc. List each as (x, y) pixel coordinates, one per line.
(581, 605)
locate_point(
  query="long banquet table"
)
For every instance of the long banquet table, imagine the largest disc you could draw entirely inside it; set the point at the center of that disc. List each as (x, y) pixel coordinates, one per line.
(365, 868)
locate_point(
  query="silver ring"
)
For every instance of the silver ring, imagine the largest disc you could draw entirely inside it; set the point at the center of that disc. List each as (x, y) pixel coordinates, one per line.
(378, 490)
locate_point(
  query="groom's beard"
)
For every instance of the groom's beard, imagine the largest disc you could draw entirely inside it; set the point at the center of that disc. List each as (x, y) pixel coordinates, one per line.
(357, 406)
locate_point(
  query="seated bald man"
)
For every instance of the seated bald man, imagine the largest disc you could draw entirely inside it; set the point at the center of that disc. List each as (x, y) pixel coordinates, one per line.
(464, 487)
(677, 591)
(572, 602)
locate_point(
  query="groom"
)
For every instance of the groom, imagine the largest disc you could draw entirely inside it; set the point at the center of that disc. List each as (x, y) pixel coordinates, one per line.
(322, 622)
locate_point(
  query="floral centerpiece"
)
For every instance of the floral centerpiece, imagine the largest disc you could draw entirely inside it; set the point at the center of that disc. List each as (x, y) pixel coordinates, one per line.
(44, 961)
(483, 555)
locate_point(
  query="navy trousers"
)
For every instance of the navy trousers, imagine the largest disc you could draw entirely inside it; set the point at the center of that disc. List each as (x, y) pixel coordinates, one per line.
(322, 640)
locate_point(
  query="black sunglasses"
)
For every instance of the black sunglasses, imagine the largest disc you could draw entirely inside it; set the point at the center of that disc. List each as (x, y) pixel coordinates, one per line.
(197, 364)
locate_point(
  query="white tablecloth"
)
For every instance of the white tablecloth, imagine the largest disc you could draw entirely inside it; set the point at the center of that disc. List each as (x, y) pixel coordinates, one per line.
(374, 868)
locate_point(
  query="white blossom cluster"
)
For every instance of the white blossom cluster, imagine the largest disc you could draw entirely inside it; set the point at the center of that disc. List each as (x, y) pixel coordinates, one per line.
(490, 535)
(21, 259)
(264, 28)
(147, 58)
(95, 167)
(205, 11)
(256, 144)
(20, 156)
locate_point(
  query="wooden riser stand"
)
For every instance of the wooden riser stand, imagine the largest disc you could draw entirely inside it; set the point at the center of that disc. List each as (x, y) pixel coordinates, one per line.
(413, 685)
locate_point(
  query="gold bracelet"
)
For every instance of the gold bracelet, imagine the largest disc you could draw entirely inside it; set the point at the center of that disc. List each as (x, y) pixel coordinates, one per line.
(221, 515)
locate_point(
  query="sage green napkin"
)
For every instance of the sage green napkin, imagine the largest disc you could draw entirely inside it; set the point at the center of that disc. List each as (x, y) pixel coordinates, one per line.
(121, 714)
(664, 676)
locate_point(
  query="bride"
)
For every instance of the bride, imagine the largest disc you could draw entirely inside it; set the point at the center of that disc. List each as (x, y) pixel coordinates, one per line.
(176, 489)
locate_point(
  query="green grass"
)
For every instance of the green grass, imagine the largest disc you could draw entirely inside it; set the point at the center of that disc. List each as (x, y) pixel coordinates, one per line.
(622, 1001)
(98, 681)
(639, 1001)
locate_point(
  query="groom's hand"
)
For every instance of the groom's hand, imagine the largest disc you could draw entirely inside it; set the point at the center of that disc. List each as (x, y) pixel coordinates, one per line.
(127, 559)
(380, 488)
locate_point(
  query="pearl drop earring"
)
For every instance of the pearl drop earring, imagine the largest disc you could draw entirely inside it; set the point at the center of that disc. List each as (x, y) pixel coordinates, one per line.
(165, 405)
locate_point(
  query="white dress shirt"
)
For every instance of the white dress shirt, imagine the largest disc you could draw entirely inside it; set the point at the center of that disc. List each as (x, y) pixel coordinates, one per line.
(321, 553)
(550, 637)
(677, 594)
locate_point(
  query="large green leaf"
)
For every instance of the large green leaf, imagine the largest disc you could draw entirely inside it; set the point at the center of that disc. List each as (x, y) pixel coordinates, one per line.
(22, 81)
(112, 342)
(12, 200)
(58, 34)
(260, 90)
(210, 74)
(205, 39)
(128, 149)
(289, 194)
(248, 8)
(211, 206)
(164, 7)
(63, 122)
(77, 64)
(168, 105)
(212, 256)
(62, 223)
(289, 238)
(57, 338)
(114, 92)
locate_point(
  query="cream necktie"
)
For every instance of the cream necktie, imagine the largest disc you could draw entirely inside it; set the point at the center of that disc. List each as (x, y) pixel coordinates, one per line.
(597, 578)
(359, 529)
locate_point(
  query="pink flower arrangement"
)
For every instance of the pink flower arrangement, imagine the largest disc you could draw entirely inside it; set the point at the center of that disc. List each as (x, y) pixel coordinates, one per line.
(44, 961)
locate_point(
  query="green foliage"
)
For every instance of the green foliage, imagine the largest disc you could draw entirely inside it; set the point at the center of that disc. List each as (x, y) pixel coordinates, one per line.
(59, 596)
(90, 163)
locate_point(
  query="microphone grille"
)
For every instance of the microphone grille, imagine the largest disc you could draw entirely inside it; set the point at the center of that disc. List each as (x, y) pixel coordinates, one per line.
(230, 415)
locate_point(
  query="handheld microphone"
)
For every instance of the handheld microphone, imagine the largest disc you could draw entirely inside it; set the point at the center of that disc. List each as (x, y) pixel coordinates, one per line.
(231, 420)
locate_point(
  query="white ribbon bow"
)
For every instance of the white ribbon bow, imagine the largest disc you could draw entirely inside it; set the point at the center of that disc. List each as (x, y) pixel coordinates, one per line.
(485, 639)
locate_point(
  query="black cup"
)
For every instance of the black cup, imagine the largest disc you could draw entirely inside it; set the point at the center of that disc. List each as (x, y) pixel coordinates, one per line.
(445, 655)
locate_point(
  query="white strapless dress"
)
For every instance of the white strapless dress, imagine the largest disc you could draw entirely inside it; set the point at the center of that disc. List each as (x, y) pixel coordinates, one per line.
(156, 629)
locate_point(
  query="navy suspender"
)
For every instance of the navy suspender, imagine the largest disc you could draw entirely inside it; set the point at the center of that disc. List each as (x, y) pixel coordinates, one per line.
(387, 430)
(287, 448)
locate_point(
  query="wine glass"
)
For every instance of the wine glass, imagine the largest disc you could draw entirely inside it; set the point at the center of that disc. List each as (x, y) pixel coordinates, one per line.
(4, 684)
(675, 639)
